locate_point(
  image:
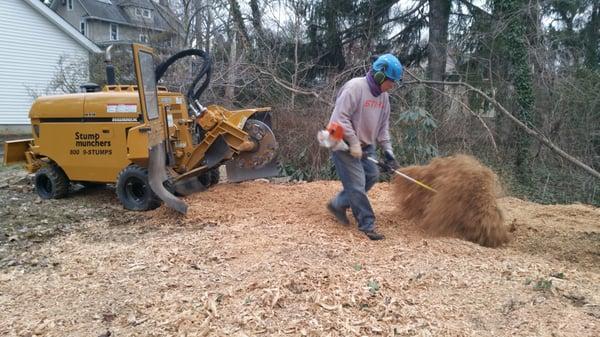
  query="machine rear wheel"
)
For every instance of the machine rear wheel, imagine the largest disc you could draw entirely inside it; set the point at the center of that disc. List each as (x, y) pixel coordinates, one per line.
(51, 182)
(133, 189)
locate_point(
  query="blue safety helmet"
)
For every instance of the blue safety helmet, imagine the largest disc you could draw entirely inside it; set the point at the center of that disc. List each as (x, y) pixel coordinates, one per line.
(390, 66)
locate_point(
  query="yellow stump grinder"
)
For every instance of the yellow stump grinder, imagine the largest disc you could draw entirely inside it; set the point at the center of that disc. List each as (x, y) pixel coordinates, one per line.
(153, 144)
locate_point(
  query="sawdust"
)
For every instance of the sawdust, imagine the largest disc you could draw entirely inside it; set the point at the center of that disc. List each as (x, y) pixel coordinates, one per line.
(258, 259)
(464, 206)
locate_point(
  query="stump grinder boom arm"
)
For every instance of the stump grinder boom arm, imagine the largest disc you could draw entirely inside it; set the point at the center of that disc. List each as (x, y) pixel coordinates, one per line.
(248, 145)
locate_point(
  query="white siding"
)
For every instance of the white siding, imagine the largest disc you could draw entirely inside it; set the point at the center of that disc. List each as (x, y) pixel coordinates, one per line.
(30, 47)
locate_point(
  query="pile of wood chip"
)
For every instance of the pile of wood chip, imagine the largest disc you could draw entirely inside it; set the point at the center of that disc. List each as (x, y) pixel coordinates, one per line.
(463, 204)
(267, 259)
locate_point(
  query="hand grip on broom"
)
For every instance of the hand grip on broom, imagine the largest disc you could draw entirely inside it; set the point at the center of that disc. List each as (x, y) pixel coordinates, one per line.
(404, 175)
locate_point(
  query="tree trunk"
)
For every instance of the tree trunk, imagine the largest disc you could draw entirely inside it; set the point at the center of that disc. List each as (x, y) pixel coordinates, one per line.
(230, 88)
(592, 37)
(186, 21)
(236, 14)
(208, 29)
(256, 18)
(439, 14)
(296, 60)
(335, 48)
(198, 24)
(295, 75)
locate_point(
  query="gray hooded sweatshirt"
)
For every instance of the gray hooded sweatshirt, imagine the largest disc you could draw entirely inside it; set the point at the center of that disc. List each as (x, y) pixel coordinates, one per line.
(364, 117)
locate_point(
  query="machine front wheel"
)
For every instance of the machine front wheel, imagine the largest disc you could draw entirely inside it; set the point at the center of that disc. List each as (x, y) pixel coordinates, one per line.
(210, 178)
(133, 189)
(51, 182)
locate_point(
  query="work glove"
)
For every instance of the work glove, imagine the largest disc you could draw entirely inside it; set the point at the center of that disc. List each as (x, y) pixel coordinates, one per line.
(390, 163)
(356, 151)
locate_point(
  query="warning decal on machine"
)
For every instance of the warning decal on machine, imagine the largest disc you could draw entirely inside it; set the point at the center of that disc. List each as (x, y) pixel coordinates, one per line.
(121, 108)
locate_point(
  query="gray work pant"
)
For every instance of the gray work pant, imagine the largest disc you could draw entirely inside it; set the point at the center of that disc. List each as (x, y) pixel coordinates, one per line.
(357, 176)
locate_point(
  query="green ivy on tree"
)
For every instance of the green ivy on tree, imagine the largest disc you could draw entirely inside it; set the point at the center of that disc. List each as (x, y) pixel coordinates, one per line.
(513, 41)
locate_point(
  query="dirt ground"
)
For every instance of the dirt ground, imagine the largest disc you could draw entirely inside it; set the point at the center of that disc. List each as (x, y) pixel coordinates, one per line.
(266, 259)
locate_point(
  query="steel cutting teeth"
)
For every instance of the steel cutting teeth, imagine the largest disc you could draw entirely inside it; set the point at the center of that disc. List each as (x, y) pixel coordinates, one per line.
(267, 146)
(259, 163)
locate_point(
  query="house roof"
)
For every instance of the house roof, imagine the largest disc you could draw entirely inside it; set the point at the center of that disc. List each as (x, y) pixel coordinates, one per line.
(107, 11)
(63, 25)
(170, 18)
(113, 11)
(136, 3)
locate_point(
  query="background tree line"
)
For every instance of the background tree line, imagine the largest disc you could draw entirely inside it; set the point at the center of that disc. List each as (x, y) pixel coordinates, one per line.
(540, 59)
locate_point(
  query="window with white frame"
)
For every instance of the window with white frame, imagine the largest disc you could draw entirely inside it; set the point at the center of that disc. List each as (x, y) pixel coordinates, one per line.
(82, 27)
(114, 32)
(146, 13)
(143, 38)
(70, 5)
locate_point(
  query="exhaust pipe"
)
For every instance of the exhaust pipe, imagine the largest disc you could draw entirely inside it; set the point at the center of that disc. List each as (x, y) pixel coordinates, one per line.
(110, 69)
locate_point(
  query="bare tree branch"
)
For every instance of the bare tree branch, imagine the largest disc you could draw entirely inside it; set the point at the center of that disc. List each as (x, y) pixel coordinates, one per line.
(536, 134)
(471, 111)
(289, 87)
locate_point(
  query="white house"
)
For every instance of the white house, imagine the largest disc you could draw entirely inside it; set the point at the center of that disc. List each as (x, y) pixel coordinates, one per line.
(33, 39)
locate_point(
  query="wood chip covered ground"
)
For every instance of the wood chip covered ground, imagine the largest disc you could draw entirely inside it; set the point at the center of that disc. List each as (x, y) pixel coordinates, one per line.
(263, 259)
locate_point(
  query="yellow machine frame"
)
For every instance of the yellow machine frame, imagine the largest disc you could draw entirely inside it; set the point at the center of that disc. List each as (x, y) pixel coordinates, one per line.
(93, 140)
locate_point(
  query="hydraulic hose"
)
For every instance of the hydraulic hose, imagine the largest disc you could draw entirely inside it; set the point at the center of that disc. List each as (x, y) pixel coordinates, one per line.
(205, 71)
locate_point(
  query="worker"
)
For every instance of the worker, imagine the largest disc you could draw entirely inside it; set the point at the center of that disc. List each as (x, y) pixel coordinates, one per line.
(362, 108)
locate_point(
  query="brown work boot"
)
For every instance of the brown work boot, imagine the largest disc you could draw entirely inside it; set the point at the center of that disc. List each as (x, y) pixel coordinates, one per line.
(339, 214)
(373, 235)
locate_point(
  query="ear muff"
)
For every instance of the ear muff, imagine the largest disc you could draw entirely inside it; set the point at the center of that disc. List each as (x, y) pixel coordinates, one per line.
(379, 76)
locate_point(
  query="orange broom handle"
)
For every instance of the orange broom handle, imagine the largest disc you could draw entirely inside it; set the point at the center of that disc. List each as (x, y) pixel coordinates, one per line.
(406, 177)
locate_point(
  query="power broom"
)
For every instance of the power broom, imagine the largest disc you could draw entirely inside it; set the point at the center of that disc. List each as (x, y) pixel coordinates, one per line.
(333, 138)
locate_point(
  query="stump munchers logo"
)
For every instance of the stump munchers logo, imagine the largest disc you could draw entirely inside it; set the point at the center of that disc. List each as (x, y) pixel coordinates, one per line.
(90, 144)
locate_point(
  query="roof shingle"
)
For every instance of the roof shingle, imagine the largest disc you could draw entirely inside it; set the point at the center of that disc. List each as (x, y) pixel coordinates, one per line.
(114, 11)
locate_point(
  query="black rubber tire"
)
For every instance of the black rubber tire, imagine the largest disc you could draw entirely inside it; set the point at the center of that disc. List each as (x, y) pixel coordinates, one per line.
(133, 189)
(51, 182)
(210, 177)
(215, 176)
